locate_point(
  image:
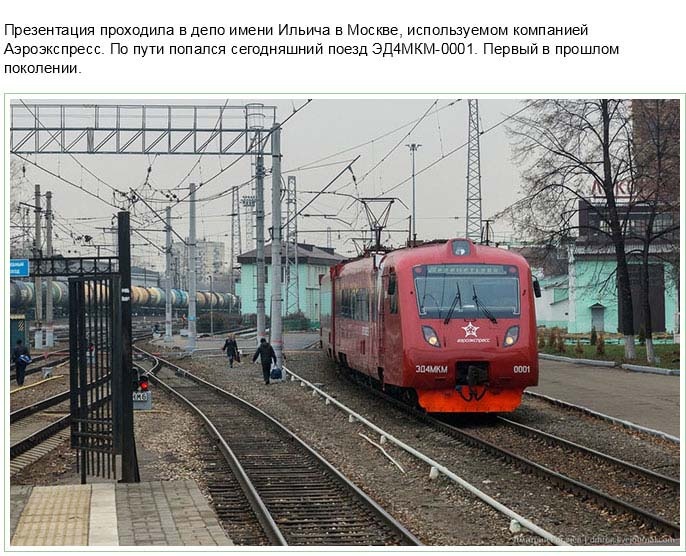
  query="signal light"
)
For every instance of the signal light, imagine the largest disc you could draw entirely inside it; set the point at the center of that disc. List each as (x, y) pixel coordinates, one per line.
(140, 382)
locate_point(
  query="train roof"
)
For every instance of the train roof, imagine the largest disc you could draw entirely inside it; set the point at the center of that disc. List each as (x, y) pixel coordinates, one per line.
(443, 251)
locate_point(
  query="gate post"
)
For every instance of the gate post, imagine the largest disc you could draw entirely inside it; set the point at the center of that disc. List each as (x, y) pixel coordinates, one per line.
(129, 461)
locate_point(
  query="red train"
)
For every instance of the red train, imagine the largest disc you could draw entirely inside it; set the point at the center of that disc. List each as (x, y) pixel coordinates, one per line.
(450, 326)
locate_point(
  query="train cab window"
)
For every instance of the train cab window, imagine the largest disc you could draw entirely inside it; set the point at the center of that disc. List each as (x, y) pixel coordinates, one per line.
(393, 293)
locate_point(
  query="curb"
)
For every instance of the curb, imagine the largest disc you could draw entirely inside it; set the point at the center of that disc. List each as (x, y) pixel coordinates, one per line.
(653, 370)
(577, 361)
(613, 364)
(604, 417)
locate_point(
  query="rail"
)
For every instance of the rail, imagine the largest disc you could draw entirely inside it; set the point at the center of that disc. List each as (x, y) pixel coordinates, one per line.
(434, 465)
(288, 502)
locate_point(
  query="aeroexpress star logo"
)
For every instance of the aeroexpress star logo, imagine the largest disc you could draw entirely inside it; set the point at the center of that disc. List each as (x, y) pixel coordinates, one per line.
(470, 330)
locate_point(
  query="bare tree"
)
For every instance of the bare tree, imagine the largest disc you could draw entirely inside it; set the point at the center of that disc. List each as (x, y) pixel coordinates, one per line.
(655, 144)
(569, 148)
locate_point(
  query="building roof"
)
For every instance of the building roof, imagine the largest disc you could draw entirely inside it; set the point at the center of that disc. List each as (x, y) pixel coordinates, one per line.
(307, 254)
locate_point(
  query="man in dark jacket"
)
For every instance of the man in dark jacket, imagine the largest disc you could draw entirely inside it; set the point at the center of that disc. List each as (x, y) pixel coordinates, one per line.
(266, 354)
(20, 358)
(231, 348)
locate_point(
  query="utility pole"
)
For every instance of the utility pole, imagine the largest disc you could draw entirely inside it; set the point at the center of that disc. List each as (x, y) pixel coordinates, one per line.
(168, 280)
(413, 149)
(486, 232)
(259, 237)
(292, 289)
(276, 324)
(37, 281)
(192, 329)
(235, 245)
(248, 202)
(49, 325)
(129, 459)
(473, 224)
(211, 305)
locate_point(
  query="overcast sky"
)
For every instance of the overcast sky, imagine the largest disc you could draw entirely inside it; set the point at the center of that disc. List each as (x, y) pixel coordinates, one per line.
(320, 129)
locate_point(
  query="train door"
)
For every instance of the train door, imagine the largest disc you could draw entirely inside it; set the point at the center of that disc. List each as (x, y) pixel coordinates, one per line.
(390, 343)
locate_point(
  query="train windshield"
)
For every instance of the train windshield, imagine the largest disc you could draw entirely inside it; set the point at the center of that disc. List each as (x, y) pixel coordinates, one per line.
(467, 288)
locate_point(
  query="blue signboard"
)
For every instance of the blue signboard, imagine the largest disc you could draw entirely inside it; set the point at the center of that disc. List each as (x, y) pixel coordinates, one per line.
(19, 268)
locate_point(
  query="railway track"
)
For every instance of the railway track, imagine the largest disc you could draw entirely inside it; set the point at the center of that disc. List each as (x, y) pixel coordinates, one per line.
(298, 497)
(37, 429)
(34, 433)
(660, 479)
(650, 485)
(137, 333)
(31, 369)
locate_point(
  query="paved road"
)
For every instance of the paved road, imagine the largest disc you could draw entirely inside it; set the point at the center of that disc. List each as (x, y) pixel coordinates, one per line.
(648, 400)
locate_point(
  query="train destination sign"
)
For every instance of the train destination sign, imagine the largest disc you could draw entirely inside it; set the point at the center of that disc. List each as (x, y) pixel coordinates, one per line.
(19, 268)
(468, 269)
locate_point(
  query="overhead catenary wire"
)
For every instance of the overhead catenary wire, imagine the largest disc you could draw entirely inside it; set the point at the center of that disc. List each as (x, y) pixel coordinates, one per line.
(65, 180)
(161, 218)
(347, 167)
(221, 115)
(240, 157)
(81, 188)
(365, 143)
(394, 148)
(452, 152)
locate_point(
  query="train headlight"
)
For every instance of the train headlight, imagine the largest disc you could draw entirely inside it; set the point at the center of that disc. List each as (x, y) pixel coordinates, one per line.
(511, 336)
(430, 336)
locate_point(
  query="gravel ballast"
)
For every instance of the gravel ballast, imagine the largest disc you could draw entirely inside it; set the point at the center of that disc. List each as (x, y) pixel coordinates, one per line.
(442, 503)
(438, 512)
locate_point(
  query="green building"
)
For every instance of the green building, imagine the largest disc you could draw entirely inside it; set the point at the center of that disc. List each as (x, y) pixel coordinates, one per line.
(593, 294)
(587, 296)
(313, 262)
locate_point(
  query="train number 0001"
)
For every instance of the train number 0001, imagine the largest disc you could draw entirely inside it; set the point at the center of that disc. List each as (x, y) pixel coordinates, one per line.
(521, 369)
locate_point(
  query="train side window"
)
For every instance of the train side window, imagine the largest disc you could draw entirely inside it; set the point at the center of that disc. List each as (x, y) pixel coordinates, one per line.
(393, 293)
(391, 284)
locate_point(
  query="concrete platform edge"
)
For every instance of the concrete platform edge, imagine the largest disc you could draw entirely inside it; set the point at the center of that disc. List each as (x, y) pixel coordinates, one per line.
(597, 414)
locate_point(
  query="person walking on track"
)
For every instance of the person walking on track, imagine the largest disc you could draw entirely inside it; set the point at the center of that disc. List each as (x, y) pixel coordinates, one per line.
(231, 348)
(20, 358)
(266, 353)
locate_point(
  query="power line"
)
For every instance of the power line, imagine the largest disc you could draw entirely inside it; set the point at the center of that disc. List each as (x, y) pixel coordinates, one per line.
(370, 141)
(394, 148)
(234, 162)
(323, 190)
(452, 152)
(158, 216)
(221, 115)
(65, 180)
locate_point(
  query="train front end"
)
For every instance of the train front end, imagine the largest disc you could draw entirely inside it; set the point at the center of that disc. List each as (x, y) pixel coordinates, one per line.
(469, 329)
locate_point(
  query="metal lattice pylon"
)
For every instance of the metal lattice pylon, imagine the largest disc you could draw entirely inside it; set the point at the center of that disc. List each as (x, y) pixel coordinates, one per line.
(248, 202)
(291, 270)
(473, 229)
(235, 244)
